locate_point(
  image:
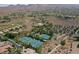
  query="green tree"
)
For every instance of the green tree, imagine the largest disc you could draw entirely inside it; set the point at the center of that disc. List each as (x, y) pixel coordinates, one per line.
(78, 46)
(0, 18)
(6, 18)
(10, 35)
(62, 42)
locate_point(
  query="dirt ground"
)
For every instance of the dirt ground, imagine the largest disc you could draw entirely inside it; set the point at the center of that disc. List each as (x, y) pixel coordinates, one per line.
(75, 50)
(59, 21)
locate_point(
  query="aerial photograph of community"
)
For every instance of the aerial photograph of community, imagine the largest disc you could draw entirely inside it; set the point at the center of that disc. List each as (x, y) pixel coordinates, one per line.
(39, 29)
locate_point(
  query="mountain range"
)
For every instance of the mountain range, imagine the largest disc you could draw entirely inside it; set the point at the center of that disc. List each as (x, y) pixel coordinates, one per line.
(35, 7)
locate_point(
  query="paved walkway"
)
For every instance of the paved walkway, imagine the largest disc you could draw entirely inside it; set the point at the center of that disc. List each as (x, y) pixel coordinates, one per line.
(57, 45)
(54, 49)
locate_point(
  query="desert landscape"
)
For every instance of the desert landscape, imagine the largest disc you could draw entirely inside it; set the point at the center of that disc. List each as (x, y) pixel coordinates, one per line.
(39, 29)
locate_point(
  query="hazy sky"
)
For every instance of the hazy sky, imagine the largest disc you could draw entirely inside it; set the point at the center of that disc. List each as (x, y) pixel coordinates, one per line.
(4, 5)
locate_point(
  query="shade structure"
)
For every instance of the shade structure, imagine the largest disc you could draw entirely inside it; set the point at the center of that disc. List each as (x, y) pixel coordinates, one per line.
(31, 41)
(44, 37)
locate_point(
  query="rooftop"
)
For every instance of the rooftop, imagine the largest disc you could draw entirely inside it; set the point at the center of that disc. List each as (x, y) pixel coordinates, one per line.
(5, 48)
(28, 51)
